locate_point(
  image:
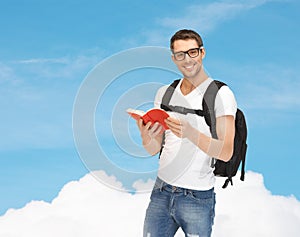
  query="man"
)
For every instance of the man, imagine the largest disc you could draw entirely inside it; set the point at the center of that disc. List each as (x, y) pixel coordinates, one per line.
(183, 195)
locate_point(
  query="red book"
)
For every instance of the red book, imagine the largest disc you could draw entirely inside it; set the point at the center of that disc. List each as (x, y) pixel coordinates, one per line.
(152, 115)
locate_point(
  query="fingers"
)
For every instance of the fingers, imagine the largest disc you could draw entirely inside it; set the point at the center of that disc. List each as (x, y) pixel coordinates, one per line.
(139, 122)
(155, 130)
(148, 129)
(142, 126)
(173, 120)
(175, 126)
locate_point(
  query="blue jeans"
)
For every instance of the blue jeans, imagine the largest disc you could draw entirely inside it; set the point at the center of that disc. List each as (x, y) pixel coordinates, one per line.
(172, 207)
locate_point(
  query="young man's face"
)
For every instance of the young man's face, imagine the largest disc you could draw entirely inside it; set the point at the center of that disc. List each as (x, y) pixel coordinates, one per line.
(190, 67)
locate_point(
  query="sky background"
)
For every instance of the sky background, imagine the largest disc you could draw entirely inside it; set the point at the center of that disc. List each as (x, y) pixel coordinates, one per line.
(47, 49)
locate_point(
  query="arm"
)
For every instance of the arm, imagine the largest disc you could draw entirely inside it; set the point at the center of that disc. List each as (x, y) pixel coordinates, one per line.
(221, 148)
(151, 136)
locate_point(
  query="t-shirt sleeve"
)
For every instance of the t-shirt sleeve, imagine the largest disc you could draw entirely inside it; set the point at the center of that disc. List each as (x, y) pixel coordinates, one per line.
(225, 103)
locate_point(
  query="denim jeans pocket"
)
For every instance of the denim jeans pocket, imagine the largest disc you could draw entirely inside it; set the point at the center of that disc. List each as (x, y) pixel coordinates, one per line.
(202, 196)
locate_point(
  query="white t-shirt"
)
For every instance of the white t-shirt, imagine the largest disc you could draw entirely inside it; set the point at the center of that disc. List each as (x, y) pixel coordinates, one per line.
(181, 162)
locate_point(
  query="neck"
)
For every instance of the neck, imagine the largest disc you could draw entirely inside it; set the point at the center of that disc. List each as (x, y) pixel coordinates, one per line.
(189, 84)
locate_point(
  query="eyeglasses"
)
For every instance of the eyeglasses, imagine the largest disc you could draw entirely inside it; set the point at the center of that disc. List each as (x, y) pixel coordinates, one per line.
(193, 53)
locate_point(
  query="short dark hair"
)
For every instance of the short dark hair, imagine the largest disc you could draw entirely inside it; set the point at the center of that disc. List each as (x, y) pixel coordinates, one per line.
(185, 35)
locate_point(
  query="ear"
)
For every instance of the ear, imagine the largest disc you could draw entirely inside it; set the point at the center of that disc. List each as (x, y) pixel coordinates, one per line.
(203, 53)
(173, 59)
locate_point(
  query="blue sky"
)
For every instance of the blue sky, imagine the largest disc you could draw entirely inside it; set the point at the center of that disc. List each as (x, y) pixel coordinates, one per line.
(47, 48)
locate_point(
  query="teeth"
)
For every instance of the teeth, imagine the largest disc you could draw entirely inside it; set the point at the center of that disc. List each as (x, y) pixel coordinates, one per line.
(189, 67)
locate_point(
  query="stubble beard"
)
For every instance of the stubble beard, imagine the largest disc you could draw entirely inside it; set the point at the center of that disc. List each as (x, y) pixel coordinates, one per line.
(194, 74)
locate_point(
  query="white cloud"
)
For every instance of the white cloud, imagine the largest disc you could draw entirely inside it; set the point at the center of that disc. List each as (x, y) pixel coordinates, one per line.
(20, 72)
(274, 86)
(206, 16)
(140, 185)
(249, 209)
(62, 60)
(88, 208)
(36, 99)
(7, 74)
(36, 116)
(67, 67)
(203, 17)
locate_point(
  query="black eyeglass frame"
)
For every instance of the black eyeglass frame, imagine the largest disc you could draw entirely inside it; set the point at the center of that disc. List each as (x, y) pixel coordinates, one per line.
(187, 52)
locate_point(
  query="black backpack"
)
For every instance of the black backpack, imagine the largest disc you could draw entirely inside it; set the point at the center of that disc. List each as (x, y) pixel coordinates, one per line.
(223, 169)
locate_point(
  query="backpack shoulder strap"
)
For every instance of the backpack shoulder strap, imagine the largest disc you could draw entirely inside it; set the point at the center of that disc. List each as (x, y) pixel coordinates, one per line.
(165, 104)
(208, 105)
(168, 94)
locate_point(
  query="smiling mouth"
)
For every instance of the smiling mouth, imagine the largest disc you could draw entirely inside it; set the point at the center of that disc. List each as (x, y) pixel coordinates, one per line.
(189, 67)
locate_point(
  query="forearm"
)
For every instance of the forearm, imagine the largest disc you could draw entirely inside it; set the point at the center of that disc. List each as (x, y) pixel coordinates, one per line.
(152, 145)
(151, 136)
(221, 148)
(213, 147)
